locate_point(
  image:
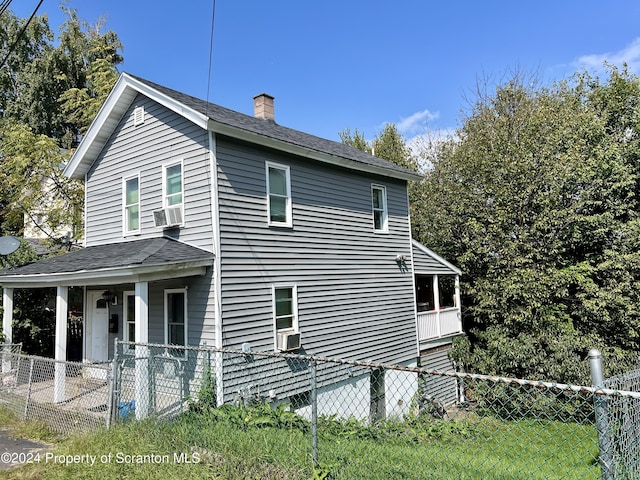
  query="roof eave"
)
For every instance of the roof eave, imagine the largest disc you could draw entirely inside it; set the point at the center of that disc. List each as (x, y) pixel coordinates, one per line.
(109, 115)
(245, 135)
(436, 257)
(110, 276)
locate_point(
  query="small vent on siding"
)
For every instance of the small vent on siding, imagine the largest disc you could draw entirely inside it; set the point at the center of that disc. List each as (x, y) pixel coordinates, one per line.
(138, 116)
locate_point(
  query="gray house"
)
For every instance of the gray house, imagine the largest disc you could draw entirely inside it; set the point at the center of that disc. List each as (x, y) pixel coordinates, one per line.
(205, 225)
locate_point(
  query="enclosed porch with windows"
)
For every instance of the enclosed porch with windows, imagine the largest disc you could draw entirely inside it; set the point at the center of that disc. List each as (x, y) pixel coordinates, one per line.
(437, 284)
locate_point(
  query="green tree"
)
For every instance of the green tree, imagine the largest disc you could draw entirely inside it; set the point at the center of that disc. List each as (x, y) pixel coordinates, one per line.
(535, 200)
(391, 145)
(356, 140)
(32, 184)
(49, 94)
(58, 89)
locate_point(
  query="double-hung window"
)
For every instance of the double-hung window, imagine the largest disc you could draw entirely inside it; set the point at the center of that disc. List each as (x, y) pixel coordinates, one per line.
(175, 316)
(379, 204)
(131, 201)
(173, 194)
(279, 195)
(285, 306)
(173, 185)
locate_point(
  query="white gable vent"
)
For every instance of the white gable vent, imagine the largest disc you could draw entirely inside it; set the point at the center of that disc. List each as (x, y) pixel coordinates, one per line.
(138, 116)
(288, 341)
(168, 217)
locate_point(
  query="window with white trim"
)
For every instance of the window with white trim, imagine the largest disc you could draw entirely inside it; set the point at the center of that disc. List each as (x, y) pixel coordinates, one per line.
(285, 308)
(279, 195)
(175, 318)
(173, 185)
(129, 314)
(379, 205)
(131, 204)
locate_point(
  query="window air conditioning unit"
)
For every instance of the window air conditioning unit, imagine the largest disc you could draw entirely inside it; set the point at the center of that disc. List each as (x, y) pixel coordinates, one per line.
(288, 341)
(168, 217)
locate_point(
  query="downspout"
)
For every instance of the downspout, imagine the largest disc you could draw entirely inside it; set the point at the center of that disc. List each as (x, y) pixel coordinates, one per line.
(217, 268)
(84, 211)
(413, 279)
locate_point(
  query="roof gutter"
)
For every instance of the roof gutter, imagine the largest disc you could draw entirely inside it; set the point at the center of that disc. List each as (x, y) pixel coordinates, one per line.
(118, 275)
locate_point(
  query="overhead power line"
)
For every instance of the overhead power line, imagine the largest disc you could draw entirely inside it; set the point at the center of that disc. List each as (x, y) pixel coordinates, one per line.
(4, 5)
(24, 28)
(213, 20)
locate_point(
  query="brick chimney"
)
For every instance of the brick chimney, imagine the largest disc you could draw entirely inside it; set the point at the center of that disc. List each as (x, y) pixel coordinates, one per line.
(263, 106)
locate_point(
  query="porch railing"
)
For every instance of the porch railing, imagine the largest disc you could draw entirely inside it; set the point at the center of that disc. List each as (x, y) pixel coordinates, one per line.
(436, 324)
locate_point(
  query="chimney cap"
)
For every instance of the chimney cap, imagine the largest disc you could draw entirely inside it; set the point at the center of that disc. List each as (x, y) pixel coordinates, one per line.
(263, 106)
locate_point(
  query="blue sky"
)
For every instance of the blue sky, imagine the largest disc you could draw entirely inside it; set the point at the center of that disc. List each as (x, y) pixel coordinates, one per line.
(334, 64)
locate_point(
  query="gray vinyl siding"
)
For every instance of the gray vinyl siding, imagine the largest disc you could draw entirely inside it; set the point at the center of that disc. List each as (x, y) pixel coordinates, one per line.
(426, 264)
(164, 138)
(440, 387)
(353, 299)
(200, 315)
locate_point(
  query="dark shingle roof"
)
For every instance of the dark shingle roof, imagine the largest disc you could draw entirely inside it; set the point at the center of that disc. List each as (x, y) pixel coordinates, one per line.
(270, 129)
(147, 252)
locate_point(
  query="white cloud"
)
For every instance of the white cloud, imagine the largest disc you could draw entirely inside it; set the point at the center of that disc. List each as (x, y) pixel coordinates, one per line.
(416, 122)
(425, 145)
(629, 55)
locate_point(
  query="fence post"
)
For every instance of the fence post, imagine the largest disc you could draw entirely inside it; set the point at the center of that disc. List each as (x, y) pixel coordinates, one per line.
(602, 419)
(112, 384)
(26, 400)
(314, 414)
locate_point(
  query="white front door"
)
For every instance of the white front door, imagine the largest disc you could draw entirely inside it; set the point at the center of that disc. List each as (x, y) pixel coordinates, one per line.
(97, 348)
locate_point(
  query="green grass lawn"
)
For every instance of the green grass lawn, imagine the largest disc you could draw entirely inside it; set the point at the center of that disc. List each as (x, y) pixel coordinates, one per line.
(250, 444)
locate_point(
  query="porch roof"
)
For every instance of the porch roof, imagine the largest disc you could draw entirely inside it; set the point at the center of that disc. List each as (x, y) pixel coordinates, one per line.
(124, 262)
(428, 262)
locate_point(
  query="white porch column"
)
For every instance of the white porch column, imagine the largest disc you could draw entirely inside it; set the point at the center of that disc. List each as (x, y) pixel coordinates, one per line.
(457, 287)
(142, 353)
(436, 303)
(7, 320)
(62, 297)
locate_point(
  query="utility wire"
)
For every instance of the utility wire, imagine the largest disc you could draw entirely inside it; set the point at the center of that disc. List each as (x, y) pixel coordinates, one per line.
(24, 28)
(4, 5)
(213, 19)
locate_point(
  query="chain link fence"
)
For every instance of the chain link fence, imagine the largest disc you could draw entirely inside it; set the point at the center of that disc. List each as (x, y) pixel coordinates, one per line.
(623, 426)
(158, 380)
(365, 420)
(349, 419)
(68, 396)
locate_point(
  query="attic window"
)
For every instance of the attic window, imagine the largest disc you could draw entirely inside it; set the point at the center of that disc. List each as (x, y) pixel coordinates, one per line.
(138, 116)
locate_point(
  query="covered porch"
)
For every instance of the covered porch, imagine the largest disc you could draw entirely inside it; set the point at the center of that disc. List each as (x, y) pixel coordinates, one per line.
(122, 282)
(437, 284)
